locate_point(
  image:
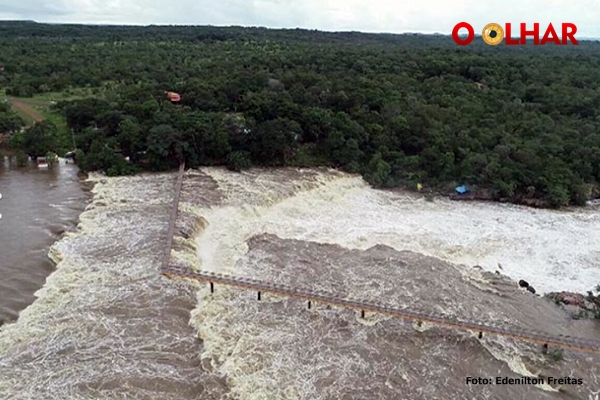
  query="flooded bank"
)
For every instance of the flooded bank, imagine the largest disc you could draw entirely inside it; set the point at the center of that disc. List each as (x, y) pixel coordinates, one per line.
(37, 207)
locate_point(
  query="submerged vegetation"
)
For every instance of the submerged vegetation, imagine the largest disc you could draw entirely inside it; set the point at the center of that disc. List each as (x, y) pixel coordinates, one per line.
(522, 122)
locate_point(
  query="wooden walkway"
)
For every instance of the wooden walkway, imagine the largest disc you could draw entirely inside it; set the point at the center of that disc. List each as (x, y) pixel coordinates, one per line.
(364, 306)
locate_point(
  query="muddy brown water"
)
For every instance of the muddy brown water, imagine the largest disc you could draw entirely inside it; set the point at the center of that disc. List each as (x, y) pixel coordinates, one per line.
(108, 326)
(280, 226)
(37, 206)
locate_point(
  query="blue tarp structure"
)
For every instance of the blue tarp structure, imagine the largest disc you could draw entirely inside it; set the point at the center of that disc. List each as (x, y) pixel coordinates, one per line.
(462, 189)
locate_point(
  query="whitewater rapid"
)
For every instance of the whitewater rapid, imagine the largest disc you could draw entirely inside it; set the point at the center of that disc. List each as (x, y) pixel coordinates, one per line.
(552, 250)
(108, 325)
(323, 230)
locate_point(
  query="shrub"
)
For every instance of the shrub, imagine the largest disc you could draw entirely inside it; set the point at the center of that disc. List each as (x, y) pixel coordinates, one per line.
(238, 161)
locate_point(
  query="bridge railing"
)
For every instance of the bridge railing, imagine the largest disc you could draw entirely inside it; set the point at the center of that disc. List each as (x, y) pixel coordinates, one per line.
(533, 336)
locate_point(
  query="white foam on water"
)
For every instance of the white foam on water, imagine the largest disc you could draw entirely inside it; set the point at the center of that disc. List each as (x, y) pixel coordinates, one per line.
(66, 340)
(552, 250)
(106, 324)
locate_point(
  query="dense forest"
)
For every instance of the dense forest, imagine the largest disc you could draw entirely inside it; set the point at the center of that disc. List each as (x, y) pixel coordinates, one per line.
(521, 122)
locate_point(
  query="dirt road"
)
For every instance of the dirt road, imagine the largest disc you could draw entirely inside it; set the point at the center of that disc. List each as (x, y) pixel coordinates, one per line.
(26, 109)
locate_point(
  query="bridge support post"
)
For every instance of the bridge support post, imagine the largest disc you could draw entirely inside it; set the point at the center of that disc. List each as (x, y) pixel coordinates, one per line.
(545, 348)
(480, 335)
(212, 287)
(258, 296)
(362, 313)
(309, 304)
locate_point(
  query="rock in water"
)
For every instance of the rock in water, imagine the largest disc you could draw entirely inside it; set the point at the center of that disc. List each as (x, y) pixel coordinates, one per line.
(531, 289)
(523, 283)
(575, 299)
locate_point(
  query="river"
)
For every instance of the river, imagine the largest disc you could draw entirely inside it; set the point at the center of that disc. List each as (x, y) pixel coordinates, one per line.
(107, 325)
(37, 206)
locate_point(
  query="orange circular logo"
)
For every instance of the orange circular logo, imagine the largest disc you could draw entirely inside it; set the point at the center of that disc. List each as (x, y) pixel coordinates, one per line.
(493, 34)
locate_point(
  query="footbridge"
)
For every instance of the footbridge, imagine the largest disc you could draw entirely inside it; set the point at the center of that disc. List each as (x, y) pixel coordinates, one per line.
(364, 306)
(313, 297)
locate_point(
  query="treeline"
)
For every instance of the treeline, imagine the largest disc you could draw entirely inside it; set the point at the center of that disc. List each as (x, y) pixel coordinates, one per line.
(9, 120)
(522, 122)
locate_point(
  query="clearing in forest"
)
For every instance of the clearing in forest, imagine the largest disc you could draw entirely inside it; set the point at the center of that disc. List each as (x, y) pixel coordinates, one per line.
(24, 108)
